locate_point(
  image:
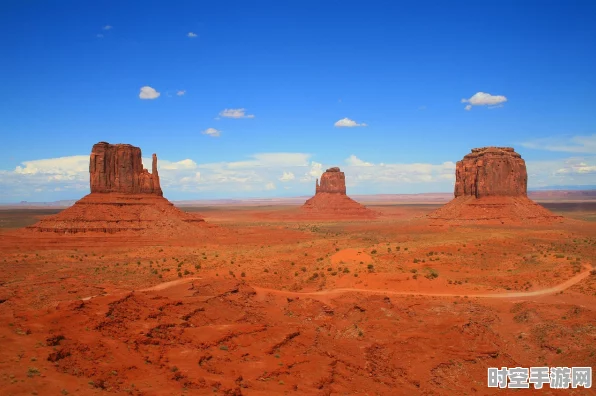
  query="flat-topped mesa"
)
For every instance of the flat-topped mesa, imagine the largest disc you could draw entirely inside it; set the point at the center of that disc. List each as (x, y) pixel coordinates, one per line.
(119, 168)
(491, 171)
(332, 181)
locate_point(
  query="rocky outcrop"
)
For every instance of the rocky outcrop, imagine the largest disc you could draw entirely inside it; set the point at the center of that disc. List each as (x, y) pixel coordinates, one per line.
(330, 199)
(333, 181)
(125, 198)
(119, 168)
(491, 188)
(491, 171)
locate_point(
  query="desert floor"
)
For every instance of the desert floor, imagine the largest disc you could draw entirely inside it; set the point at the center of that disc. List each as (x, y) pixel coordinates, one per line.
(270, 303)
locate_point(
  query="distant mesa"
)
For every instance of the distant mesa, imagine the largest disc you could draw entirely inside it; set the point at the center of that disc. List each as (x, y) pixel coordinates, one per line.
(124, 198)
(491, 186)
(333, 181)
(330, 198)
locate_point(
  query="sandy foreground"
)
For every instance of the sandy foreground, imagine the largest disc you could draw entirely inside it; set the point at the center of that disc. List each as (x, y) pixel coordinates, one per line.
(266, 301)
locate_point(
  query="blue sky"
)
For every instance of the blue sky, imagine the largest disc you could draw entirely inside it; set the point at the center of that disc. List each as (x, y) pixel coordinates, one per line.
(72, 74)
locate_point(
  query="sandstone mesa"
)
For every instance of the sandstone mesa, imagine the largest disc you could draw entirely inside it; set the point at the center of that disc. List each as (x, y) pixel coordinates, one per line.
(119, 168)
(124, 197)
(491, 186)
(330, 198)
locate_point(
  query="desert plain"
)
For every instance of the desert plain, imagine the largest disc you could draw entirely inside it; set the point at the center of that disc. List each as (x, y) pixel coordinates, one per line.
(266, 302)
(125, 293)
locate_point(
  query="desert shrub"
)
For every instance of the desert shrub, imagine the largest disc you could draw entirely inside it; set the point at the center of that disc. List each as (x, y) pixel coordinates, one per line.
(432, 274)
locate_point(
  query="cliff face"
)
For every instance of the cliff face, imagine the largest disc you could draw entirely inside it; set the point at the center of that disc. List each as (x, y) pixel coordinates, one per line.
(491, 171)
(119, 168)
(491, 188)
(332, 181)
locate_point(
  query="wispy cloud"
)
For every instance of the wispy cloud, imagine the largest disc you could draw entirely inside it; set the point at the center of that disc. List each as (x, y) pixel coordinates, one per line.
(259, 172)
(347, 123)
(355, 161)
(99, 35)
(212, 132)
(107, 27)
(235, 113)
(484, 99)
(567, 144)
(148, 93)
(192, 35)
(181, 93)
(287, 176)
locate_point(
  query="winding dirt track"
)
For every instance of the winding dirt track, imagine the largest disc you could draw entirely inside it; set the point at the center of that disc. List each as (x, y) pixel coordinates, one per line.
(261, 290)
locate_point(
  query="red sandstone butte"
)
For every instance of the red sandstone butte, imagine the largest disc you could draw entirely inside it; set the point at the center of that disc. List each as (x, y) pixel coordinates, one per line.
(333, 181)
(491, 187)
(124, 198)
(331, 199)
(119, 168)
(491, 171)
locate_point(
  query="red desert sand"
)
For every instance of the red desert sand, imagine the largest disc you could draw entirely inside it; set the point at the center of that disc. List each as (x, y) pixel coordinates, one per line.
(126, 295)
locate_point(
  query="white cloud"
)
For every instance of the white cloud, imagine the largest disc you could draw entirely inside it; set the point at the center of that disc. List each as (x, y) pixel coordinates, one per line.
(63, 166)
(484, 99)
(315, 172)
(346, 122)
(192, 35)
(99, 35)
(468, 107)
(211, 132)
(573, 144)
(181, 93)
(355, 161)
(107, 27)
(235, 113)
(259, 173)
(168, 165)
(287, 176)
(148, 93)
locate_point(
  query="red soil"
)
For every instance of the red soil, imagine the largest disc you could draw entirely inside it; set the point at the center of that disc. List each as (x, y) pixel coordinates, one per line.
(277, 307)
